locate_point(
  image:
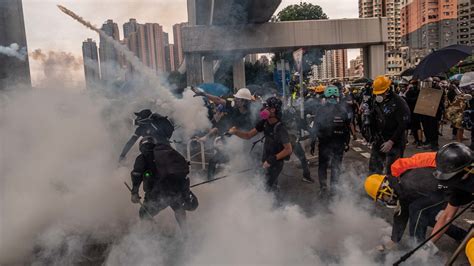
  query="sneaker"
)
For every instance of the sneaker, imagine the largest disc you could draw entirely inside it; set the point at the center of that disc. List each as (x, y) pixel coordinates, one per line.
(308, 180)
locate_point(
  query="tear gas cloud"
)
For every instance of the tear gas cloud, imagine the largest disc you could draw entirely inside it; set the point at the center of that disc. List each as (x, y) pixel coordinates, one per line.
(62, 189)
(14, 50)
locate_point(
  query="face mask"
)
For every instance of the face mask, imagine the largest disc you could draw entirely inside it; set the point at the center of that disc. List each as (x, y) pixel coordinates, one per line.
(264, 114)
(332, 100)
(379, 98)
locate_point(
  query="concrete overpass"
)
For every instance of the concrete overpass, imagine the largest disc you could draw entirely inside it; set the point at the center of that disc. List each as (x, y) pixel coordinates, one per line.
(205, 42)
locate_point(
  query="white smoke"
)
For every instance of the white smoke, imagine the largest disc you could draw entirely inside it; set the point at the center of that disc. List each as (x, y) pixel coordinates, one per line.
(14, 50)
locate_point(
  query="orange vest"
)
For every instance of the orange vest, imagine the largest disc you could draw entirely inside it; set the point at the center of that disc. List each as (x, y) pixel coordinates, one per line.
(419, 160)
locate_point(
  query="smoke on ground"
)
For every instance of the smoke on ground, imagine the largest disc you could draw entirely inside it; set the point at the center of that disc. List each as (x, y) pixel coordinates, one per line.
(14, 50)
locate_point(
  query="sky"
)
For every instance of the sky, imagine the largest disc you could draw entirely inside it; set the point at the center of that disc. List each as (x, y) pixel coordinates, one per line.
(49, 29)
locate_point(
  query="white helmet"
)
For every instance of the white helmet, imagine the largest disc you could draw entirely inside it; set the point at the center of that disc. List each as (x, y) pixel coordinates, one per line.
(244, 94)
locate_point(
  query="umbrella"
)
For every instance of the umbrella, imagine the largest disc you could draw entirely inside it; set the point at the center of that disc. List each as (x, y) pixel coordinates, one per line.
(457, 77)
(407, 72)
(441, 60)
(215, 89)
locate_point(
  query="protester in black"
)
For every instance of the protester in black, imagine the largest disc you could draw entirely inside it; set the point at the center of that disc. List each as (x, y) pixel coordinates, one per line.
(276, 147)
(163, 172)
(454, 169)
(391, 116)
(332, 128)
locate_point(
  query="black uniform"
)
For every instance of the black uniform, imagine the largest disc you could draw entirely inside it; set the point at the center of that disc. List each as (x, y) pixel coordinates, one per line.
(391, 118)
(332, 128)
(411, 97)
(421, 198)
(164, 181)
(276, 136)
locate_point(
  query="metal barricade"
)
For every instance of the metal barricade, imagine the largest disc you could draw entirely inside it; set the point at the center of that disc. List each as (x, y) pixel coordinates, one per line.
(203, 154)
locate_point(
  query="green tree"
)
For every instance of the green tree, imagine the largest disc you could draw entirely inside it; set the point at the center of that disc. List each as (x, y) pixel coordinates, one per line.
(302, 11)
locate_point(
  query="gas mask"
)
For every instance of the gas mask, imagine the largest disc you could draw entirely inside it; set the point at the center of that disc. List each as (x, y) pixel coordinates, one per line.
(332, 100)
(379, 98)
(264, 114)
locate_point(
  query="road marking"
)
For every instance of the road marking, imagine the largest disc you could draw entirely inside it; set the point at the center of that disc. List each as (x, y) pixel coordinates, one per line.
(366, 155)
(357, 149)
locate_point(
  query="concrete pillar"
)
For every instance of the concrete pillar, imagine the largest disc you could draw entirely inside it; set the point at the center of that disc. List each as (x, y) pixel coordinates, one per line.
(193, 69)
(207, 70)
(374, 61)
(239, 73)
(191, 12)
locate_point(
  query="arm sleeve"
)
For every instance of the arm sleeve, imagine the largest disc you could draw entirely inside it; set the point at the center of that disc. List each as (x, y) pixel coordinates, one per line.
(400, 222)
(458, 197)
(260, 125)
(129, 145)
(137, 173)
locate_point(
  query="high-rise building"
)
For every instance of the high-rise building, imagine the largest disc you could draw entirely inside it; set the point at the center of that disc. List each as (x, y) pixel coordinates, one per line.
(340, 63)
(129, 27)
(356, 67)
(390, 9)
(109, 57)
(427, 25)
(172, 58)
(91, 63)
(178, 42)
(13, 70)
(251, 58)
(333, 65)
(465, 33)
(155, 48)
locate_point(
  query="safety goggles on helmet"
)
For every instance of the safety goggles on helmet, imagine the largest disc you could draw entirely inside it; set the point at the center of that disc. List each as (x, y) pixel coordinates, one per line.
(386, 195)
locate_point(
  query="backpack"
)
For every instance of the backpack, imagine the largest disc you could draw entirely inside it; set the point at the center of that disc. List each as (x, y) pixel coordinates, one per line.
(169, 163)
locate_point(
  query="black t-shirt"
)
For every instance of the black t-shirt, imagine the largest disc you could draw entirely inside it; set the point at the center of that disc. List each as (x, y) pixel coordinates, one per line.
(276, 136)
(460, 192)
(414, 184)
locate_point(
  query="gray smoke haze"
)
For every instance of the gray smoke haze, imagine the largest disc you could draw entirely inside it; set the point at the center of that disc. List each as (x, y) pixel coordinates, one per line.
(14, 50)
(58, 67)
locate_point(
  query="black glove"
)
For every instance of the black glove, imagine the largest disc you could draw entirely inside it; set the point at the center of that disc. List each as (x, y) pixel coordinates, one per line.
(135, 198)
(313, 147)
(272, 159)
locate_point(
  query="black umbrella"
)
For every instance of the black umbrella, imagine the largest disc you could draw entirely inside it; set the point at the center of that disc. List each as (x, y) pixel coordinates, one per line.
(407, 72)
(441, 60)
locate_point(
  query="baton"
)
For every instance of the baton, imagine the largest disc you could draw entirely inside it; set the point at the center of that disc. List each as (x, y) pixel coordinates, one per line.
(215, 179)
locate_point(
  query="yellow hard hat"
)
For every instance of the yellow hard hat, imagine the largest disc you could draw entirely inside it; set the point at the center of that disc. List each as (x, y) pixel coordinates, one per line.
(470, 251)
(372, 185)
(320, 89)
(381, 84)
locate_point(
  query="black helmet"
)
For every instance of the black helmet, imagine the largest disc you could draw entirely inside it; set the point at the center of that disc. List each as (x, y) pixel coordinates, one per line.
(163, 126)
(451, 159)
(145, 113)
(146, 144)
(274, 102)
